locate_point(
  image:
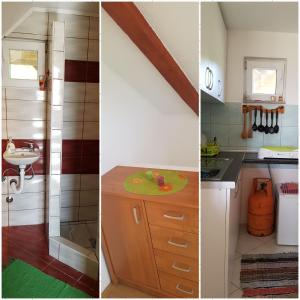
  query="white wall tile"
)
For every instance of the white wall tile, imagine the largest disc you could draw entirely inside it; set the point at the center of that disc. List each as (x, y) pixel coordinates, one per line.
(54, 185)
(54, 226)
(69, 198)
(68, 214)
(58, 65)
(55, 161)
(76, 49)
(89, 198)
(30, 24)
(26, 129)
(78, 260)
(34, 185)
(93, 54)
(74, 91)
(4, 134)
(89, 182)
(94, 28)
(70, 182)
(27, 201)
(26, 217)
(72, 130)
(57, 92)
(26, 110)
(92, 92)
(73, 111)
(54, 246)
(16, 93)
(88, 213)
(56, 117)
(56, 140)
(37, 37)
(54, 206)
(91, 131)
(75, 26)
(4, 219)
(4, 203)
(91, 112)
(58, 36)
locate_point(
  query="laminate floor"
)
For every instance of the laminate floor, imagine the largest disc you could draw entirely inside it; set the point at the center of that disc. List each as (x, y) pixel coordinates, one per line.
(123, 291)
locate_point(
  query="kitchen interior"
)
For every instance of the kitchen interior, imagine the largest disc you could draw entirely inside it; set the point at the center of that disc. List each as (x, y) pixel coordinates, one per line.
(249, 149)
(149, 205)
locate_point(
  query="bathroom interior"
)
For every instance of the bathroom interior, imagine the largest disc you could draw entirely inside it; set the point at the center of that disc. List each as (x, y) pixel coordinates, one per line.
(50, 140)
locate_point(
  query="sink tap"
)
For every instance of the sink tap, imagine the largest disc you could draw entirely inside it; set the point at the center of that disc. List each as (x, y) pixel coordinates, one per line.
(31, 146)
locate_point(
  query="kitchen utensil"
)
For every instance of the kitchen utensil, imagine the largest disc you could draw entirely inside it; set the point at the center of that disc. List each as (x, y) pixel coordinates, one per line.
(276, 127)
(254, 126)
(250, 133)
(244, 134)
(261, 127)
(267, 127)
(271, 128)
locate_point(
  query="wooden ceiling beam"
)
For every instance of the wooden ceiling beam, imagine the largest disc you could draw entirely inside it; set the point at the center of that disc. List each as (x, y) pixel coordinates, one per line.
(133, 23)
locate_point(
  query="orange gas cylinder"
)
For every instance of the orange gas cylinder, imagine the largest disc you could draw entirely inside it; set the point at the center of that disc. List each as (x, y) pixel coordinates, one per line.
(261, 208)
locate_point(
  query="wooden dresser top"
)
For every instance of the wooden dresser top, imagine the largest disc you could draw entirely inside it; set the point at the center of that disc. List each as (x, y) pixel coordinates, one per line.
(113, 183)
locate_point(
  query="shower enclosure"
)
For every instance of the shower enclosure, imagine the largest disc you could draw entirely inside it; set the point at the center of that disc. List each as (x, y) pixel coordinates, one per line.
(73, 141)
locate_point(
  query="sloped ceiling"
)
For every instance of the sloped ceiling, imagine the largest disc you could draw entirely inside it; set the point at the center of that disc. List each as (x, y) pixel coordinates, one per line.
(265, 16)
(13, 13)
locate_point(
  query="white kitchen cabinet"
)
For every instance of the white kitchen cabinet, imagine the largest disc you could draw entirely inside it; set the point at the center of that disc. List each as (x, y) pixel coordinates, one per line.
(220, 215)
(213, 50)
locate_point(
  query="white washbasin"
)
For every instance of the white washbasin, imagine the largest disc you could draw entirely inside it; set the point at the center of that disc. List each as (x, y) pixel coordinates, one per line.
(21, 157)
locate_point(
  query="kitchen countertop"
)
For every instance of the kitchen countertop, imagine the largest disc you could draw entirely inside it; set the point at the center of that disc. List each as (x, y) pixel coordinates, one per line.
(230, 177)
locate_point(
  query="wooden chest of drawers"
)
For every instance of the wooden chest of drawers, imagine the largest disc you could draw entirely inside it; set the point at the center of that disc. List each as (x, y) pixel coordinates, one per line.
(151, 242)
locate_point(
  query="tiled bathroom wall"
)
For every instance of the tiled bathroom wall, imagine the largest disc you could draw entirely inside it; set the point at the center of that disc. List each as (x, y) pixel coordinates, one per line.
(80, 153)
(225, 121)
(25, 116)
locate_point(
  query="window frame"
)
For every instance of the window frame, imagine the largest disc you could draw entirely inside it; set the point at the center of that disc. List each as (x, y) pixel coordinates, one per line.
(23, 45)
(278, 64)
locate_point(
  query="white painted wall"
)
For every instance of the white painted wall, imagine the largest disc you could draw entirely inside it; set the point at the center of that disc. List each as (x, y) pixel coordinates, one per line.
(143, 120)
(260, 44)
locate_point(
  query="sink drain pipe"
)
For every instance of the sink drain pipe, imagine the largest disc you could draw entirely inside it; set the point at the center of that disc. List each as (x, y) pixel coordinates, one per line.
(18, 188)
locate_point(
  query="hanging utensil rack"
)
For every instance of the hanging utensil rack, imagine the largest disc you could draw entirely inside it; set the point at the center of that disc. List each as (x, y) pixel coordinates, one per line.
(250, 108)
(247, 132)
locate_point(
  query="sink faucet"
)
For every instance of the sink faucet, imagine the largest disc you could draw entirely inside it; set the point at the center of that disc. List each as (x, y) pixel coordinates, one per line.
(31, 146)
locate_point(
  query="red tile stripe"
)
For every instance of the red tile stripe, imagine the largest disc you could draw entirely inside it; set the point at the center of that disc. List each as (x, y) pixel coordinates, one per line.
(81, 71)
(78, 157)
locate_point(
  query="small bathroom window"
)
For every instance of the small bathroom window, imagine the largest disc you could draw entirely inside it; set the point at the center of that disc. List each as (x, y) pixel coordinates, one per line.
(264, 79)
(23, 63)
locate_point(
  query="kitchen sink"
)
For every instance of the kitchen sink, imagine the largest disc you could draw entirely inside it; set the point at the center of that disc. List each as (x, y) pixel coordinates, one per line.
(214, 168)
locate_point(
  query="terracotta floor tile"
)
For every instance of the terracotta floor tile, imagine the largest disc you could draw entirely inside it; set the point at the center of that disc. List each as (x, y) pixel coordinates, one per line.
(91, 283)
(59, 275)
(30, 244)
(85, 288)
(66, 269)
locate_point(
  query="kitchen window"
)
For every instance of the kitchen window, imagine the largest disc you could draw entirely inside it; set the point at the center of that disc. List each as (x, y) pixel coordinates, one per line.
(264, 79)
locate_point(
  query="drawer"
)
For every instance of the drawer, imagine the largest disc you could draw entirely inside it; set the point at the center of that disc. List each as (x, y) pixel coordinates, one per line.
(178, 286)
(180, 266)
(177, 242)
(175, 217)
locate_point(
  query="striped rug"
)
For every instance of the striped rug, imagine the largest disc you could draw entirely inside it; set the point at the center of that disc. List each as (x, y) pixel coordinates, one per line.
(270, 275)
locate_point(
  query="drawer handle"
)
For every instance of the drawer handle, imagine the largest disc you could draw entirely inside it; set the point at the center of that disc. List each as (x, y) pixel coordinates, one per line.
(178, 218)
(190, 292)
(135, 215)
(189, 269)
(184, 245)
